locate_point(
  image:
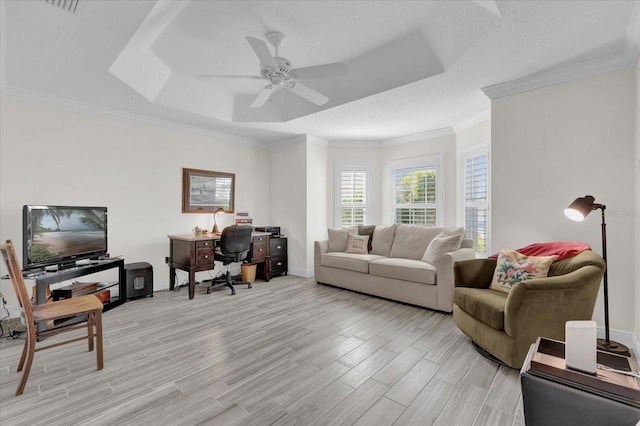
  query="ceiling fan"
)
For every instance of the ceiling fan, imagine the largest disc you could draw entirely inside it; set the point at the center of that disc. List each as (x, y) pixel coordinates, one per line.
(279, 72)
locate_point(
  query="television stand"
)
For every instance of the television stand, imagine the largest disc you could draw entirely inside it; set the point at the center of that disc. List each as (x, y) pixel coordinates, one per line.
(44, 279)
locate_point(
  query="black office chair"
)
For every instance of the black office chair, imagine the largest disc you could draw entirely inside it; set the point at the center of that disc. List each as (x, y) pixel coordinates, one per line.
(235, 243)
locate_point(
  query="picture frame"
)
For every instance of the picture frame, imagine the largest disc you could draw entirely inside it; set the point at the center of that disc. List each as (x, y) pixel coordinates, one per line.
(205, 191)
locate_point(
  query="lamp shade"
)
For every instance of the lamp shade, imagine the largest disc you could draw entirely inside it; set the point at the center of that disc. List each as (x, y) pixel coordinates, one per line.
(580, 208)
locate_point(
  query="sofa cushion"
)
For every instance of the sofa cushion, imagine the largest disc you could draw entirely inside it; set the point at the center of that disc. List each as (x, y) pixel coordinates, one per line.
(447, 241)
(338, 239)
(351, 262)
(411, 241)
(357, 244)
(404, 269)
(513, 267)
(383, 240)
(367, 230)
(484, 305)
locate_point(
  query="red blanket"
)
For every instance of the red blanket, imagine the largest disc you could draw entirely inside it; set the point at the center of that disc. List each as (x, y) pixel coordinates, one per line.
(562, 249)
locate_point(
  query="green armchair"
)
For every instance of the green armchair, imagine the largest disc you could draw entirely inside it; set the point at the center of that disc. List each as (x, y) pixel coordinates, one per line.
(505, 325)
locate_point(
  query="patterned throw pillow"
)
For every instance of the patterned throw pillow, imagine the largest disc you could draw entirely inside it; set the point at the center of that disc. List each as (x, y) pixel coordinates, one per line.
(357, 244)
(514, 267)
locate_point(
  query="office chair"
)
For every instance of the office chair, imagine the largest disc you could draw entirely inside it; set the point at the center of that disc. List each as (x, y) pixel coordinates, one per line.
(87, 311)
(235, 243)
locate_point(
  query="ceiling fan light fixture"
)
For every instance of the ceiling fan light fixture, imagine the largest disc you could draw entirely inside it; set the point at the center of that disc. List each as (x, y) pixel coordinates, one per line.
(279, 72)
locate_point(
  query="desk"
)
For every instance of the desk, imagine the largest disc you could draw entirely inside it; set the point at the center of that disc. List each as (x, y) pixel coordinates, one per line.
(191, 254)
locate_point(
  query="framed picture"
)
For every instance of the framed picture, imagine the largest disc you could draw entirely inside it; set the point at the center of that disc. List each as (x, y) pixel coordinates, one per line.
(204, 191)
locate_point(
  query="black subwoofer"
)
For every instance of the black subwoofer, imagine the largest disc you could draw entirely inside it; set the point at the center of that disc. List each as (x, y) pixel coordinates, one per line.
(139, 279)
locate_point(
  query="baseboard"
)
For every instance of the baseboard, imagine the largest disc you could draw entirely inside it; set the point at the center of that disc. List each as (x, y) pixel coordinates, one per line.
(625, 337)
(300, 272)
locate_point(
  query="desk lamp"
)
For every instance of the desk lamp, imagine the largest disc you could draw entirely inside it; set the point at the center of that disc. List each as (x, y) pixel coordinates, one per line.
(215, 230)
(577, 211)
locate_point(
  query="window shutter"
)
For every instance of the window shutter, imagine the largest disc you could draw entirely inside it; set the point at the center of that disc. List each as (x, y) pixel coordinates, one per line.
(353, 196)
(476, 177)
(415, 191)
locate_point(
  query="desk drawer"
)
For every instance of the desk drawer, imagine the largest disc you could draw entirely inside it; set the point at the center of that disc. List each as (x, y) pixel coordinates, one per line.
(278, 248)
(205, 256)
(204, 244)
(278, 266)
(260, 251)
(260, 239)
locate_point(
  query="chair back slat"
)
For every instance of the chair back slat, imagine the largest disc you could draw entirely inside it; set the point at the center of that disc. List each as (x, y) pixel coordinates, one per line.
(19, 286)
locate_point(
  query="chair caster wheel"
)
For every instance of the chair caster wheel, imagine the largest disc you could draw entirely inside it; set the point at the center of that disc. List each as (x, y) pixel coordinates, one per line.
(250, 286)
(233, 293)
(208, 291)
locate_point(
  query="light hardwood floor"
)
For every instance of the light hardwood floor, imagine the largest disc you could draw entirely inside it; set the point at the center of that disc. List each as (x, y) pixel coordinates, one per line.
(287, 352)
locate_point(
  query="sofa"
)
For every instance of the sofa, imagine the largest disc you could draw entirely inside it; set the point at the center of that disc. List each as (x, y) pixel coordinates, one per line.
(506, 324)
(407, 263)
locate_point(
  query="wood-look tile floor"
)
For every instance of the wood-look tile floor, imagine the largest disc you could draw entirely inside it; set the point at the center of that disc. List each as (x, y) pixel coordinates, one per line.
(287, 352)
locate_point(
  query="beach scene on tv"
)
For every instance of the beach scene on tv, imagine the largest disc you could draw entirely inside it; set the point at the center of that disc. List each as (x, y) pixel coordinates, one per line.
(66, 232)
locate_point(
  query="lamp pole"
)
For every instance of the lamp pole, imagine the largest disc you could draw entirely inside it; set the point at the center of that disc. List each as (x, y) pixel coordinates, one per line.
(577, 211)
(605, 278)
(607, 345)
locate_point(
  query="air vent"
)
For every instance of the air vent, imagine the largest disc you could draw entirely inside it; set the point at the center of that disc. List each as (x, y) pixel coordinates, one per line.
(67, 5)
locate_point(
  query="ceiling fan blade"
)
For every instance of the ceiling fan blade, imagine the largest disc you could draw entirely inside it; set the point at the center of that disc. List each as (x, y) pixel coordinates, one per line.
(263, 96)
(321, 71)
(307, 93)
(234, 77)
(262, 51)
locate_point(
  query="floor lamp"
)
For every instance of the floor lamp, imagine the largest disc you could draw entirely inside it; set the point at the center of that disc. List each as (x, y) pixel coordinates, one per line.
(577, 211)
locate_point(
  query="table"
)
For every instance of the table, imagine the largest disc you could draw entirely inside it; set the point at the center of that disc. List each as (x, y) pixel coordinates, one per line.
(195, 254)
(553, 394)
(43, 280)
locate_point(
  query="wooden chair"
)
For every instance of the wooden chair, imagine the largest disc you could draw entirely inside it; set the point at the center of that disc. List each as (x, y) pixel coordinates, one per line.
(87, 311)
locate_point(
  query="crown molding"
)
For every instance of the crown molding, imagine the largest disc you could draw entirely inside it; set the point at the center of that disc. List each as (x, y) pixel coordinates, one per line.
(624, 59)
(431, 134)
(417, 137)
(347, 143)
(85, 108)
(484, 115)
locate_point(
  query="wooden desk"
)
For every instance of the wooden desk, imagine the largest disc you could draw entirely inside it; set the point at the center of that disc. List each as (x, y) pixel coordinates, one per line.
(191, 254)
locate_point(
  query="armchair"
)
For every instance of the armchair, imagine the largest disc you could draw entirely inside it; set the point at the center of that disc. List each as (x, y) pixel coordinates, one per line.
(505, 325)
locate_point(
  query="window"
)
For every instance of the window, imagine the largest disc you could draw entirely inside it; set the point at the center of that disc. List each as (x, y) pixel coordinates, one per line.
(476, 198)
(352, 196)
(417, 191)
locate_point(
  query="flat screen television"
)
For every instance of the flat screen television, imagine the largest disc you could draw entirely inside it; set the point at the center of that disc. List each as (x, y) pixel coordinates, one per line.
(61, 235)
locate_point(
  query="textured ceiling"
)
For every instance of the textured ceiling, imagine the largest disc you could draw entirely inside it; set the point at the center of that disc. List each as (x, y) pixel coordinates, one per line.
(414, 66)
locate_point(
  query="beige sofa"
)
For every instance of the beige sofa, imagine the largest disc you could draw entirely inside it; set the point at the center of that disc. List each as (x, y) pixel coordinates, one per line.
(407, 263)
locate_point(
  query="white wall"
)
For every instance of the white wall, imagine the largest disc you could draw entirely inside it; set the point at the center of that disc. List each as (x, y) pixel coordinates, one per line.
(288, 197)
(53, 155)
(557, 143)
(316, 196)
(637, 206)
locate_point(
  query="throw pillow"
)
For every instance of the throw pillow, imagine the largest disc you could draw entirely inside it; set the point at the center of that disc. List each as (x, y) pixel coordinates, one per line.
(357, 244)
(367, 230)
(337, 240)
(439, 246)
(514, 267)
(383, 239)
